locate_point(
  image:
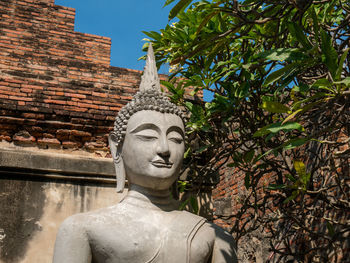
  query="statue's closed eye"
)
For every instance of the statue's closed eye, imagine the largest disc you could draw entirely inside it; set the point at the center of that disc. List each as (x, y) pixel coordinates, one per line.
(146, 137)
(175, 136)
(176, 140)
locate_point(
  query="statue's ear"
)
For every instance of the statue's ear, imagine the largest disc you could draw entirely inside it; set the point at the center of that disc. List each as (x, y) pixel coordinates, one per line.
(118, 161)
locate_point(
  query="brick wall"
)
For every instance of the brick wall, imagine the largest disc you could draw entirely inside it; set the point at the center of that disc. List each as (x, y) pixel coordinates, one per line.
(57, 88)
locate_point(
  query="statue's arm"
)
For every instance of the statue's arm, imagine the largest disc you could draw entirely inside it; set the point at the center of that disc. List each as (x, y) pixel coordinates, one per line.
(224, 250)
(72, 244)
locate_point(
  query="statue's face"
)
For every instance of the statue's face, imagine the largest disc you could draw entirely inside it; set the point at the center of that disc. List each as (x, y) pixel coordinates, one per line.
(153, 149)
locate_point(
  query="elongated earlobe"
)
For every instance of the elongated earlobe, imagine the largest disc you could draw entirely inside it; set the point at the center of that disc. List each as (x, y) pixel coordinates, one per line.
(118, 163)
(120, 171)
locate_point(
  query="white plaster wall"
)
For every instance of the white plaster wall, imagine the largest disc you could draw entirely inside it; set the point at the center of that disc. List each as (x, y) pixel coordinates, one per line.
(61, 201)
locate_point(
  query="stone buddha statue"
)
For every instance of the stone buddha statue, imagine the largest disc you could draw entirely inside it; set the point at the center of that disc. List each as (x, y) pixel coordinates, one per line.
(147, 145)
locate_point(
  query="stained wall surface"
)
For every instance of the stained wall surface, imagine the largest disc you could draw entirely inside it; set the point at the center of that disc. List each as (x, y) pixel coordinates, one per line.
(32, 211)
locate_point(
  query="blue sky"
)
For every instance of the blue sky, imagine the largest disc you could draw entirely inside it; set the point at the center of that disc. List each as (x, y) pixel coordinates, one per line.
(123, 21)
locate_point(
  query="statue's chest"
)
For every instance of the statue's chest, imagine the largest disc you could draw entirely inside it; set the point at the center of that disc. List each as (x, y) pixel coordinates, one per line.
(143, 239)
(125, 243)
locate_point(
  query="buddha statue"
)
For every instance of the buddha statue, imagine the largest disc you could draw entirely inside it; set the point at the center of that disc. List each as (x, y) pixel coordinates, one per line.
(147, 146)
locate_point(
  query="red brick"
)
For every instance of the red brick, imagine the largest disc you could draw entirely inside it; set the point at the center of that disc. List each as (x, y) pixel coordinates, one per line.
(20, 98)
(49, 101)
(99, 94)
(5, 138)
(23, 138)
(74, 95)
(86, 105)
(50, 142)
(80, 133)
(69, 145)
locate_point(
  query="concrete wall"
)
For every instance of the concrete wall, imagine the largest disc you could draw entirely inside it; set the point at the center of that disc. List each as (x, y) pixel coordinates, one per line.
(38, 190)
(32, 211)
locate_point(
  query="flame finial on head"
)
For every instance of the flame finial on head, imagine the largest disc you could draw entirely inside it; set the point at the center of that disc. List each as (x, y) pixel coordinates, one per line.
(149, 79)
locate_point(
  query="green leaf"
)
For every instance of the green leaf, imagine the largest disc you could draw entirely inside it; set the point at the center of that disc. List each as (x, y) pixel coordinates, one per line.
(281, 54)
(299, 166)
(189, 105)
(304, 179)
(291, 178)
(298, 33)
(322, 82)
(187, 152)
(274, 107)
(182, 4)
(265, 130)
(341, 65)
(202, 149)
(302, 88)
(315, 23)
(291, 197)
(263, 154)
(181, 185)
(153, 34)
(345, 81)
(205, 21)
(330, 55)
(293, 143)
(276, 127)
(184, 204)
(276, 187)
(286, 127)
(318, 95)
(248, 156)
(168, 2)
(291, 116)
(276, 75)
(194, 204)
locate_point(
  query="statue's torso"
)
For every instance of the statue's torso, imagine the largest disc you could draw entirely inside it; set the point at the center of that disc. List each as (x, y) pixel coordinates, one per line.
(130, 234)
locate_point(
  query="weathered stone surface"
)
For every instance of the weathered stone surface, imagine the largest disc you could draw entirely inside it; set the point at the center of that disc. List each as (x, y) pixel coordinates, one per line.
(59, 163)
(32, 210)
(223, 207)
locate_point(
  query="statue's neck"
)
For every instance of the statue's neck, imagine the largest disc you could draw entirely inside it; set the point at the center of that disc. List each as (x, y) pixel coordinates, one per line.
(150, 198)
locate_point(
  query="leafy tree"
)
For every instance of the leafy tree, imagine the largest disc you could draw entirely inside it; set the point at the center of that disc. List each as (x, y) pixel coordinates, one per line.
(280, 115)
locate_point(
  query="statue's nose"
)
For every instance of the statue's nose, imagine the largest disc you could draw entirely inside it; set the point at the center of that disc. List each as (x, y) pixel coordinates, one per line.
(163, 148)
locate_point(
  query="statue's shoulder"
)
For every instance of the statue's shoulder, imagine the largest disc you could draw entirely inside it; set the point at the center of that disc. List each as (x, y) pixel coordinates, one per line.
(222, 237)
(85, 220)
(191, 216)
(187, 222)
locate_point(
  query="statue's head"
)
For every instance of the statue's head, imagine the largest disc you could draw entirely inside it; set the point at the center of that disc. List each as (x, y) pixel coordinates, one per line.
(147, 143)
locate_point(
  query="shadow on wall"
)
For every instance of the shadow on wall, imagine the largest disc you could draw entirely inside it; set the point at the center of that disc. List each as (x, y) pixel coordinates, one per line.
(22, 204)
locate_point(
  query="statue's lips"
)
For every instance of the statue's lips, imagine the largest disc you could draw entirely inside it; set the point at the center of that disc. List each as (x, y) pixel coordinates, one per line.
(162, 164)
